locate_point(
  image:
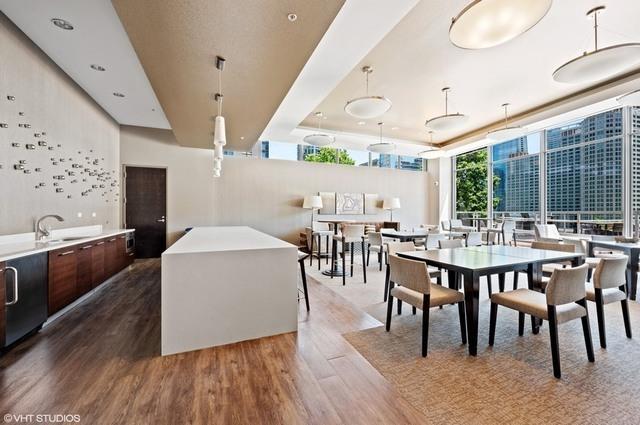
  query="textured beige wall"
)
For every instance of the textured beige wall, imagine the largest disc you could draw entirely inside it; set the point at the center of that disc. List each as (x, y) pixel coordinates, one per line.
(53, 103)
(264, 194)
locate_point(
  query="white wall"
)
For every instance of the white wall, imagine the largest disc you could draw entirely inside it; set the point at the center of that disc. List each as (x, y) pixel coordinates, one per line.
(264, 194)
(52, 103)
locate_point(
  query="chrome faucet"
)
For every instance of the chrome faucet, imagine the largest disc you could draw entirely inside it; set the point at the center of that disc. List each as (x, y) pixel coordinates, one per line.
(42, 232)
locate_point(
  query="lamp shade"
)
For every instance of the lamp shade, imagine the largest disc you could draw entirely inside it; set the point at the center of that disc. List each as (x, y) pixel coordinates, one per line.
(391, 204)
(312, 202)
(219, 132)
(218, 152)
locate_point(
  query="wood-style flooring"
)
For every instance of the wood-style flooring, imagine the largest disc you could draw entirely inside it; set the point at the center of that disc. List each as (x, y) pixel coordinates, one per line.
(102, 361)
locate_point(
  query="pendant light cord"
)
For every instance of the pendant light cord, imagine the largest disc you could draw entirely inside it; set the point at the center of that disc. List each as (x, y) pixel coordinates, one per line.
(220, 92)
(595, 27)
(446, 102)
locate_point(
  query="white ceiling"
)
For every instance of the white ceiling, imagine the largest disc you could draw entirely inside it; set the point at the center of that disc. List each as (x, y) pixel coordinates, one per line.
(99, 38)
(416, 59)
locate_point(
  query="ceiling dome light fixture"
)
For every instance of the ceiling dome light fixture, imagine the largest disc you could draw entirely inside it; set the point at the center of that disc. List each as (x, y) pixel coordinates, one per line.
(219, 132)
(319, 139)
(62, 24)
(431, 151)
(600, 63)
(381, 147)
(630, 99)
(506, 132)
(367, 106)
(488, 23)
(447, 121)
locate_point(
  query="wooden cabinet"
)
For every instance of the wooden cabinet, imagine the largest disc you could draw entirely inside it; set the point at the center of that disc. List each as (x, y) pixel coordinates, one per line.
(63, 276)
(111, 259)
(2, 308)
(84, 277)
(121, 251)
(98, 272)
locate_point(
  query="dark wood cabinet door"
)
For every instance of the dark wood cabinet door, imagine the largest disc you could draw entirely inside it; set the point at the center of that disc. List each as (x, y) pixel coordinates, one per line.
(110, 257)
(63, 273)
(146, 210)
(2, 307)
(98, 273)
(83, 282)
(121, 249)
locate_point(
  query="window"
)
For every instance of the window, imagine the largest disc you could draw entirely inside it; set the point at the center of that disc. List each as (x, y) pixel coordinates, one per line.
(471, 173)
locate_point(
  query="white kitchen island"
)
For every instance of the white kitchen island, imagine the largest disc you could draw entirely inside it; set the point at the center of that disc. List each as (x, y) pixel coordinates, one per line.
(226, 284)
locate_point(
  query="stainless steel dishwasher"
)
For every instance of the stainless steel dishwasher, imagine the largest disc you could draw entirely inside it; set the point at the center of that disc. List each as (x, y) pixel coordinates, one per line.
(26, 295)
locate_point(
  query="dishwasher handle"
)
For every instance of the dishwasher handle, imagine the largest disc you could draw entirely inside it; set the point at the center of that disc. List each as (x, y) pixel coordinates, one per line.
(15, 285)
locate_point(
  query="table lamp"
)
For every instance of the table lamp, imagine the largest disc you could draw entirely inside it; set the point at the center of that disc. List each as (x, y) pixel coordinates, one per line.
(312, 202)
(391, 204)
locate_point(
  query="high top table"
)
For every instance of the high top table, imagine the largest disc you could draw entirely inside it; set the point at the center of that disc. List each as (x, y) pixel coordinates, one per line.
(473, 262)
(335, 269)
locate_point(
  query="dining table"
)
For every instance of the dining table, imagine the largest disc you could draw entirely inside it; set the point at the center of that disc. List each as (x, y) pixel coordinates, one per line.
(404, 235)
(473, 262)
(632, 250)
(336, 269)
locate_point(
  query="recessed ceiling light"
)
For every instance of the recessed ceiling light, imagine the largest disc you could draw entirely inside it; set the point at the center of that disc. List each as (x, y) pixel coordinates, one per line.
(292, 17)
(61, 23)
(116, 94)
(153, 109)
(361, 123)
(395, 128)
(241, 137)
(97, 67)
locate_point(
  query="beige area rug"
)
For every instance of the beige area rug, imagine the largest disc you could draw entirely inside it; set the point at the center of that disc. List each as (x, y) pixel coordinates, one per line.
(510, 383)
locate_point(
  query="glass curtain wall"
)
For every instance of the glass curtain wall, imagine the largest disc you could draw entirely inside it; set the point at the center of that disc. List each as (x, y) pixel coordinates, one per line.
(471, 176)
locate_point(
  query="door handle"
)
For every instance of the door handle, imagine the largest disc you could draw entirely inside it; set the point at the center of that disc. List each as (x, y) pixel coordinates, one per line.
(15, 285)
(161, 220)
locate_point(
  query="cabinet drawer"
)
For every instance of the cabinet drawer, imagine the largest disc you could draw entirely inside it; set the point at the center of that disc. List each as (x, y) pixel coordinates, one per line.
(63, 273)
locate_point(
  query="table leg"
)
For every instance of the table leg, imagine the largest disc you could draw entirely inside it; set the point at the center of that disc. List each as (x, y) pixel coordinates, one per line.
(452, 279)
(632, 285)
(501, 279)
(533, 275)
(471, 298)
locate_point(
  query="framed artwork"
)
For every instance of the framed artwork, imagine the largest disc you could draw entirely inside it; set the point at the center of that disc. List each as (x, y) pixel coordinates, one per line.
(350, 203)
(328, 203)
(371, 203)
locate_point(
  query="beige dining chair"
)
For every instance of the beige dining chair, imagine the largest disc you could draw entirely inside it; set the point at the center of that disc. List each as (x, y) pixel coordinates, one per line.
(319, 231)
(410, 282)
(564, 300)
(351, 234)
(377, 245)
(609, 286)
(579, 247)
(548, 268)
(546, 233)
(392, 249)
(474, 239)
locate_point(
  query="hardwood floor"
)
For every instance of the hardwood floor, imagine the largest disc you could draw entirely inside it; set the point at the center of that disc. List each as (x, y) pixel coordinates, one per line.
(102, 361)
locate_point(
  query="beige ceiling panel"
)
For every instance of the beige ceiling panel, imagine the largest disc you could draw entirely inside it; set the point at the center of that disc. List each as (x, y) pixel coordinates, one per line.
(177, 42)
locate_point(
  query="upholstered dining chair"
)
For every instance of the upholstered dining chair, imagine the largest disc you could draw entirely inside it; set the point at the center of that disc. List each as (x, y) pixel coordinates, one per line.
(474, 239)
(565, 300)
(579, 247)
(609, 286)
(548, 268)
(376, 244)
(456, 225)
(394, 248)
(319, 231)
(433, 240)
(414, 287)
(546, 233)
(351, 234)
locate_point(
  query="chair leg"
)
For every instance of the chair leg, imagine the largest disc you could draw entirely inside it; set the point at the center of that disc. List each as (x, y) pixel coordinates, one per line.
(327, 245)
(368, 255)
(364, 268)
(600, 313)
(333, 258)
(515, 279)
(319, 251)
(553, 336)
(311, 252)
(386, 283)
(413, 310)
(344, 264)
(586, 330)
(380, 259)
(425, 323)
(463, 322)
(489, 289)
(589, 273)
(399, 307)
(501, 278)
(351, 249)
(625, 317)
(492, 323)
(389, 309)
(521, 324)
(304, 284)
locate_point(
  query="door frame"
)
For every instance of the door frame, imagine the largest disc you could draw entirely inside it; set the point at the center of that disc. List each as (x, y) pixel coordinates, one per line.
(123, 198)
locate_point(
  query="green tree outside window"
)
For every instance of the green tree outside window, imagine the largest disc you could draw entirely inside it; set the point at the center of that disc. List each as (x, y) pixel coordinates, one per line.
(328, 154)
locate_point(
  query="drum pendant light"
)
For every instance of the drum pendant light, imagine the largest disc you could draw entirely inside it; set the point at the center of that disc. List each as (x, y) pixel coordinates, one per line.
(367, 106)
(319, 139)
(447, 121)
(600, 63)
(381, 147)
(507, 132)
(431, 151)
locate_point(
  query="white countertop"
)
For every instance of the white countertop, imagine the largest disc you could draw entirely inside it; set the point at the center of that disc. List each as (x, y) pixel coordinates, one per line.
(25, 243)
(225, 238)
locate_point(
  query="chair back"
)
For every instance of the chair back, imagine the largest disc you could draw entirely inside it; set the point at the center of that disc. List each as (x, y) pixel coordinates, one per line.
(508, 227)
(451, 243)
(474, 239)
(546, 232)
(611, 272)
(553, 246)
(395, 247)
(375, 238)
(433, 240)
(352, 231)
(603, 238)
(456, 222)
(317, 226)
(567, 285)
(410, 274)
(309, 232)
(446, 224)
(578, 244)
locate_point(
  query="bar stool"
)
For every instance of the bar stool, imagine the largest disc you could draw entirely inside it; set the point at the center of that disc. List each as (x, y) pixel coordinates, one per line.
(301, 257)
(318, 231)
(351, 233)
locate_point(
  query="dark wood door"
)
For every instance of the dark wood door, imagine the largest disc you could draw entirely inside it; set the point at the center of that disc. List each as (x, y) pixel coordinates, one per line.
(83, 282)
(98, 273)
(145, 209)
(63, 273)
(2, 308)
(110, 257)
